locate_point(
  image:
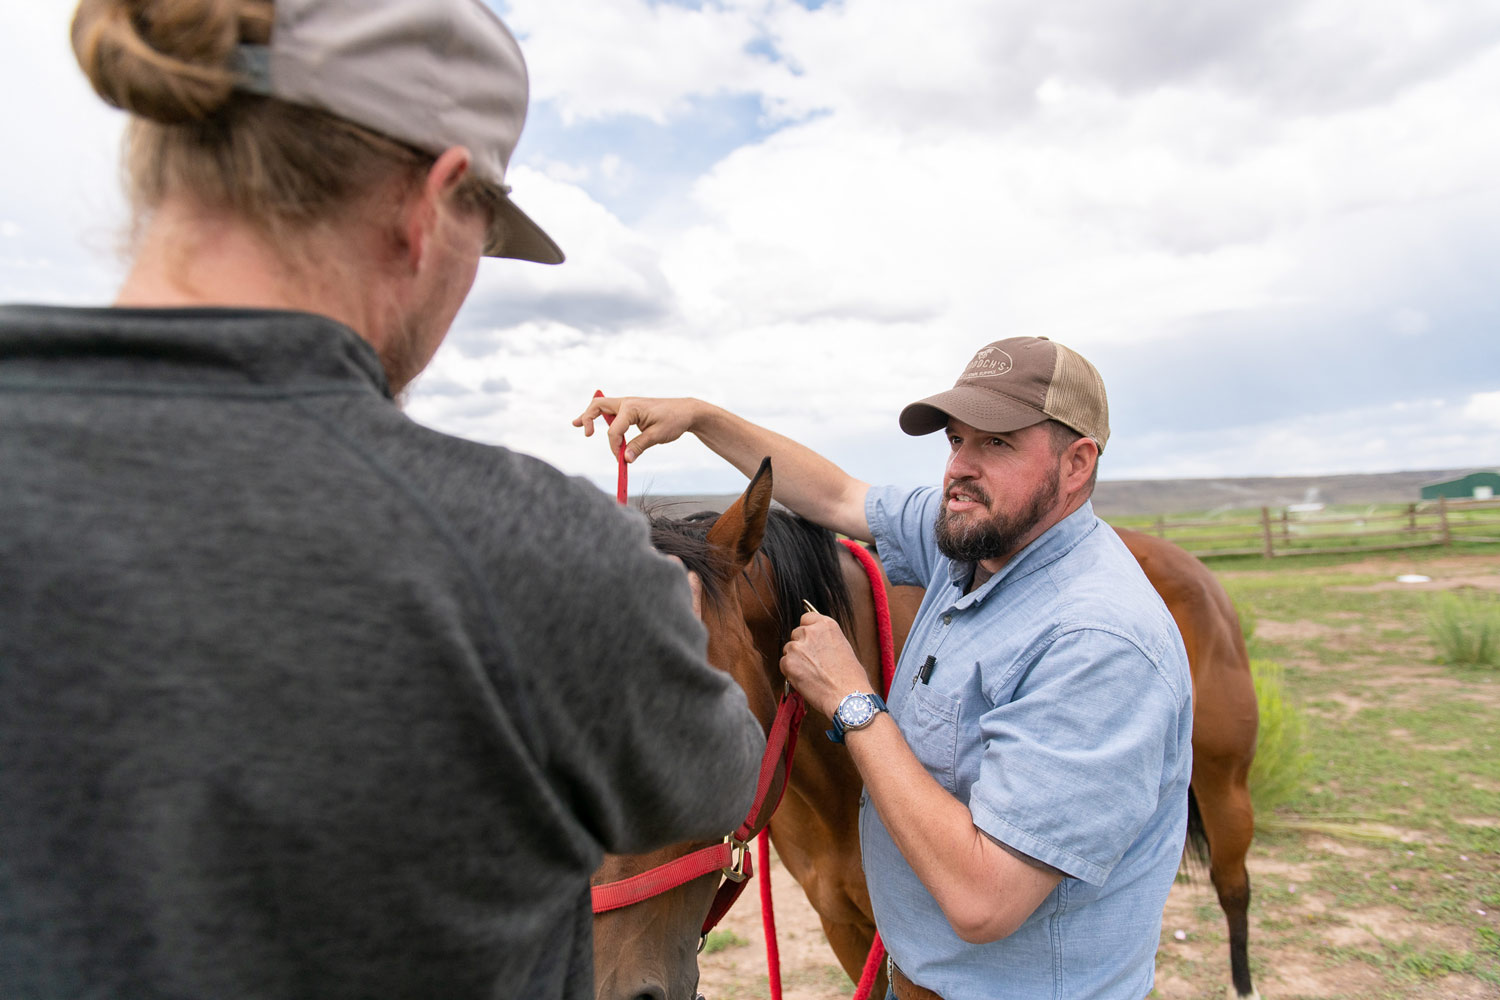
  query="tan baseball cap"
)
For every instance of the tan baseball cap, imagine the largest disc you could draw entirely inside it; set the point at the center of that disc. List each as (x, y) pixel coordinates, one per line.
(1014, 383)
(430, 73)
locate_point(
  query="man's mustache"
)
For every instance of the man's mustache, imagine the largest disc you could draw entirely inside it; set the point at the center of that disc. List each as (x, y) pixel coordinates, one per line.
(968, 487)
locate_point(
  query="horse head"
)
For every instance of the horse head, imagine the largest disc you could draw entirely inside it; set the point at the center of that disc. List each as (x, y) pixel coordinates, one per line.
(648, 950)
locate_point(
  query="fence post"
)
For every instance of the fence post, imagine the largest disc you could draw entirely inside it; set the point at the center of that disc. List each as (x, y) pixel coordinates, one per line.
(1286, 527)
(1411, 517)
(1265, 527)
(1161, 526)
(1443, 521)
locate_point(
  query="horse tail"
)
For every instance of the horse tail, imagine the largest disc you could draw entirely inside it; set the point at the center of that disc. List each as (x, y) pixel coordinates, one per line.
(1196, 846)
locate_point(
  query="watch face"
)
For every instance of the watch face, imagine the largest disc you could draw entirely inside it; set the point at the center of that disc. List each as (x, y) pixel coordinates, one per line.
(856, 711)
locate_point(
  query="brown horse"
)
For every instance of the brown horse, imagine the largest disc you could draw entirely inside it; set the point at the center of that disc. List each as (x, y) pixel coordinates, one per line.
(816, 830)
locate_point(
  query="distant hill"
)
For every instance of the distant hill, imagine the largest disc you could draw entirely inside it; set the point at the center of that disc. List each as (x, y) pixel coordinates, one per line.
(1177, 496)
(1133, 497)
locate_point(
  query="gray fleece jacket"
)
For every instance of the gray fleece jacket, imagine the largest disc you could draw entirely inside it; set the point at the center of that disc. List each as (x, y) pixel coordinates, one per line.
(301, 699)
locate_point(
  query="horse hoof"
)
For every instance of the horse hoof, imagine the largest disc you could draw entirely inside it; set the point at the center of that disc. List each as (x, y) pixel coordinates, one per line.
(1234, 994)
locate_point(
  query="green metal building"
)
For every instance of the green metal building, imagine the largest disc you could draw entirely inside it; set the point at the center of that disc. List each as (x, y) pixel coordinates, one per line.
(1481, 485)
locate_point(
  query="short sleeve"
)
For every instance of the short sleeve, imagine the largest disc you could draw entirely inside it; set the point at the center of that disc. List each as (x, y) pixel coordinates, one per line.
(901, 524)
(1074, 763)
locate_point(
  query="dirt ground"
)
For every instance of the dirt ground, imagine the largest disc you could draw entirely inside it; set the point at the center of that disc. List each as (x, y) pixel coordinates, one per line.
(810, 972)
(1192, 952)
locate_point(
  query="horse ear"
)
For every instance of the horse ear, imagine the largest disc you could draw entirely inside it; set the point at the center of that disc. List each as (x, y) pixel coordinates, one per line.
(740, 529)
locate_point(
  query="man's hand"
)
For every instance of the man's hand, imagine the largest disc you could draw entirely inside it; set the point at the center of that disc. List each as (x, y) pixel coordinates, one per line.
(821, 665)
(660, 421)
(806, 482)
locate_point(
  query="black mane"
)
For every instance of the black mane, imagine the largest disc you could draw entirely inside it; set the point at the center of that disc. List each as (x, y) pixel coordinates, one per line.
(805, 566)
(687, 539)
(804, 563)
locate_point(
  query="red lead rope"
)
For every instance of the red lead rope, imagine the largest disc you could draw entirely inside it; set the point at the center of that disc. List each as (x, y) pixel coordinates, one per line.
(620, 479)
(886, 636)
(731, 856)
(781, 744)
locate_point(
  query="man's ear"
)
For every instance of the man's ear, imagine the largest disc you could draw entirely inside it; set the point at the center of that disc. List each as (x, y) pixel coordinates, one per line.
(427, 207)
(1078, 463)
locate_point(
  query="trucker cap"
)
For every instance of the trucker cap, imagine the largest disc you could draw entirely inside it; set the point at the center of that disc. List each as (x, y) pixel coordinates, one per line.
(1014, 383)
(429, 73)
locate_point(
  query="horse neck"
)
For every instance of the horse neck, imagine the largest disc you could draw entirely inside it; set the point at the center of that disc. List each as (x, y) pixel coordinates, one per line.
(760, 675)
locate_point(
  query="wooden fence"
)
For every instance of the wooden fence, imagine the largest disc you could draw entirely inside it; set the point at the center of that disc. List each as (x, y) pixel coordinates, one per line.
(1285, 531)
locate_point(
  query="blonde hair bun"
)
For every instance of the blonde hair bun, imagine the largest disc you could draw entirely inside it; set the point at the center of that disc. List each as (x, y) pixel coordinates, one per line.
(168, 60)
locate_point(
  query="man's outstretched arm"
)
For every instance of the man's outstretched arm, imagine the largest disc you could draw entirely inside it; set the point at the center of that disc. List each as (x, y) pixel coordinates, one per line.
(805, 481)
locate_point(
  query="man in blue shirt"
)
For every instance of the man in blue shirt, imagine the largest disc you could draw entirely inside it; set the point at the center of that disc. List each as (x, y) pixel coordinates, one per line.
(1027, 789)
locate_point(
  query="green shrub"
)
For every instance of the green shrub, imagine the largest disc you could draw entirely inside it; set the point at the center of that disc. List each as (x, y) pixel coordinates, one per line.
(1281, 760)
(1466, 629)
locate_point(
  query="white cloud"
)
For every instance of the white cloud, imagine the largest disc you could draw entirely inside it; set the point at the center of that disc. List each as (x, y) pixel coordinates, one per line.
(594, 60)
(1115, 175)
(1410, 322)
(1483, 408)
(1418, 434)
(59, 183)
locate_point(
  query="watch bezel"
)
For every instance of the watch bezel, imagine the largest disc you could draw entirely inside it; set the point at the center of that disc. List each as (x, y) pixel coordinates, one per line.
(870, 701)
(856, 710)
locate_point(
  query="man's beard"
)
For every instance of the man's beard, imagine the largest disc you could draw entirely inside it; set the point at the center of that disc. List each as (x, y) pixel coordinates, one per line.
(997, 535)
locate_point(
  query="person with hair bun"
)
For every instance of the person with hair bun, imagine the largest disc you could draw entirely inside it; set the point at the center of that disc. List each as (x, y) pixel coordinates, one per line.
(299, 698)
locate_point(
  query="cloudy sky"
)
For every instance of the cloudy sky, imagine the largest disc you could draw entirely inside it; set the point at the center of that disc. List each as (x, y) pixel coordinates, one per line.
(1273, 226)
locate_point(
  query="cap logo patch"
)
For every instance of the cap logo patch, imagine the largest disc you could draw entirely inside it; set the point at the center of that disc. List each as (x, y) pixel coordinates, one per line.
(988, 363)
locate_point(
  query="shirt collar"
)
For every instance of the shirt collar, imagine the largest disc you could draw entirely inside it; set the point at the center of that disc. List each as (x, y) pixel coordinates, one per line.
(1053, 544)
(209, 345)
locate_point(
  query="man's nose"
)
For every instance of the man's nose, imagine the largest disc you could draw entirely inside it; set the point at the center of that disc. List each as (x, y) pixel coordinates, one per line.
(962, 462)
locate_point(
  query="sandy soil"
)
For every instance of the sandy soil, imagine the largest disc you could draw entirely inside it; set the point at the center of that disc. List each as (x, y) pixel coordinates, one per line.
(809, 970)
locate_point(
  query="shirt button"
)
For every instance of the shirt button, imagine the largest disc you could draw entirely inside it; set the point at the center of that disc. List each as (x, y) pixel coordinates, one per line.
(947, 619)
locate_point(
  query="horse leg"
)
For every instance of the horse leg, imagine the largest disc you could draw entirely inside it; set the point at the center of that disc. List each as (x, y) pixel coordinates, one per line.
(1229, 823)
(851, 943)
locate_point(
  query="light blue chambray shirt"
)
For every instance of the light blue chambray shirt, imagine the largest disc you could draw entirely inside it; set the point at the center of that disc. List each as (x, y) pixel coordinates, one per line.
(1060, 711)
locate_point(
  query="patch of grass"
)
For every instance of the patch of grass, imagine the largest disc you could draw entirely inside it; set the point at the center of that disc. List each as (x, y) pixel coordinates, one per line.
(718, 940)
(1466, 629)
(1394, 816)
(1489, 941)
(1281, 759)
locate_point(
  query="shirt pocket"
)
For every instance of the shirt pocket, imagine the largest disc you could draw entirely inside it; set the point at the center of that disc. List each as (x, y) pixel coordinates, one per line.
(931, 730)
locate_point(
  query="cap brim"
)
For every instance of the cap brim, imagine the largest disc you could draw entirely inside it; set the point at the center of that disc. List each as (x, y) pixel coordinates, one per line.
(522, 239)
(979, 408)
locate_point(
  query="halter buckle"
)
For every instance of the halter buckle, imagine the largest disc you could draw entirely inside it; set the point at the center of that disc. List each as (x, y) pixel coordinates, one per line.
(738, 854)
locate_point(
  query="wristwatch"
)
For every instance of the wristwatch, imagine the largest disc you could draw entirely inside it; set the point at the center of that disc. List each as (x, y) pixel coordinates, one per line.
(856, 711)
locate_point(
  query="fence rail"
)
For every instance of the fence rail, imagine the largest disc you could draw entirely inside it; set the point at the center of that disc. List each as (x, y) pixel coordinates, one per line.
(1285, 532)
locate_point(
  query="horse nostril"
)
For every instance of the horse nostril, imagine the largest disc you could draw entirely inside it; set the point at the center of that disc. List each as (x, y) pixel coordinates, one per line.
(652, 992)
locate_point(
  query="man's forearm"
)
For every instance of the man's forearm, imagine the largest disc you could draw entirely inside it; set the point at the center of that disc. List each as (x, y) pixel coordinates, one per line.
(983, 890)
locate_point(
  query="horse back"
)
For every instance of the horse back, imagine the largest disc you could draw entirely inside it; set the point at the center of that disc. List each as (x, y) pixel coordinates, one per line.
(1225, 715)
